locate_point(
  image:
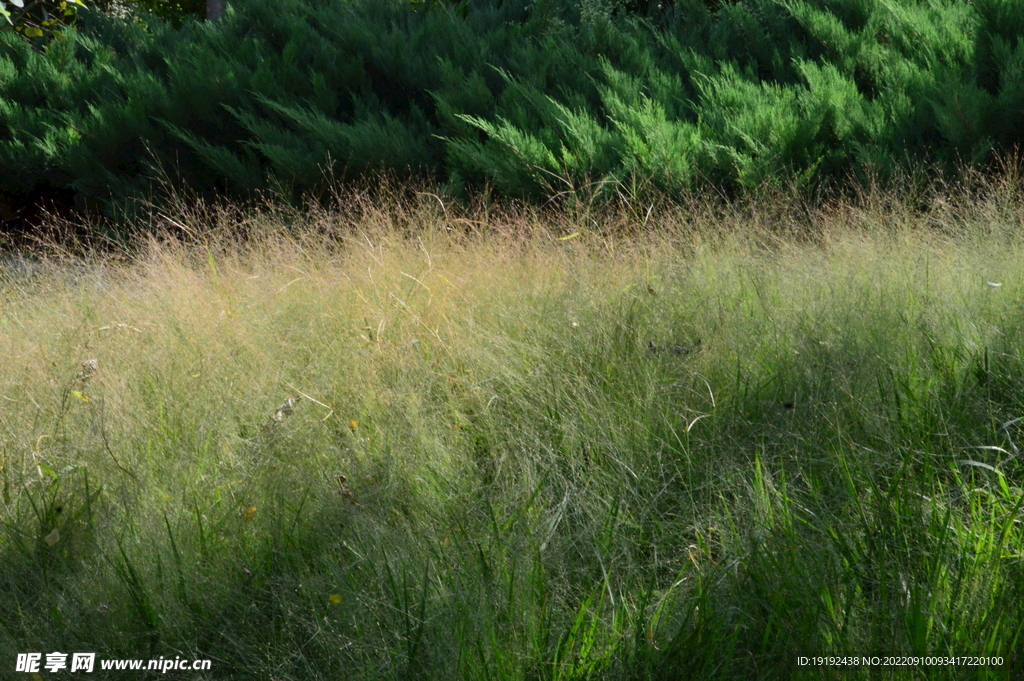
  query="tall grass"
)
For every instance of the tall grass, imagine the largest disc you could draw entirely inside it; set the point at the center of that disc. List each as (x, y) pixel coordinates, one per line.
(527, 445)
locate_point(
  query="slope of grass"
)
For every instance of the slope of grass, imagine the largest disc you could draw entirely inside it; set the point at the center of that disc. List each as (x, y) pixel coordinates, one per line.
(696, 442)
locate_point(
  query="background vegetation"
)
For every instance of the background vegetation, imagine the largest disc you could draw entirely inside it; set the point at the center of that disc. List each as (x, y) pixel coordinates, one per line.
(535, 100)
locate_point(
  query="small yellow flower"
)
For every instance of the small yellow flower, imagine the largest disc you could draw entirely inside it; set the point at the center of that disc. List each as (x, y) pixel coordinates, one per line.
(353, 424)
(250, 513)
(335, 598)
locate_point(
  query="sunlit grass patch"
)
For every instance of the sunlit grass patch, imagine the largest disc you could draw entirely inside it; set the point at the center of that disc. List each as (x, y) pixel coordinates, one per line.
(401, 442)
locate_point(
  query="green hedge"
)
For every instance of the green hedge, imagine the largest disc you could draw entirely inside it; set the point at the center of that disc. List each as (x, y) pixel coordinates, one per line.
(531, 97)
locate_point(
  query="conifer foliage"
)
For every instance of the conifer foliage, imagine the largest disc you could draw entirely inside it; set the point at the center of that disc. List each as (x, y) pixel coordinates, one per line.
(532, 97)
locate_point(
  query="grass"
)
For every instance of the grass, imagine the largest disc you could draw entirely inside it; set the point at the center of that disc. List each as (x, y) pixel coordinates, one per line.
(527, 444)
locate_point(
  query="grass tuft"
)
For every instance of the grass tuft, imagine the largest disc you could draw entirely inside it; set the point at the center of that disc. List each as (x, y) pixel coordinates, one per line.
(523, 444)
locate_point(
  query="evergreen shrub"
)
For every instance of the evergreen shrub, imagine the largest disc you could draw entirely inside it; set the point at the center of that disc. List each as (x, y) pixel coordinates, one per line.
(533, 98)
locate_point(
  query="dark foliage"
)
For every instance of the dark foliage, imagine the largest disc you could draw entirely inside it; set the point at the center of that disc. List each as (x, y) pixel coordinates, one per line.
(534, 98)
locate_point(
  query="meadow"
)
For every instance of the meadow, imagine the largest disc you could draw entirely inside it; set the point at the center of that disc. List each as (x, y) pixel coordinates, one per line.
(691, 439)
